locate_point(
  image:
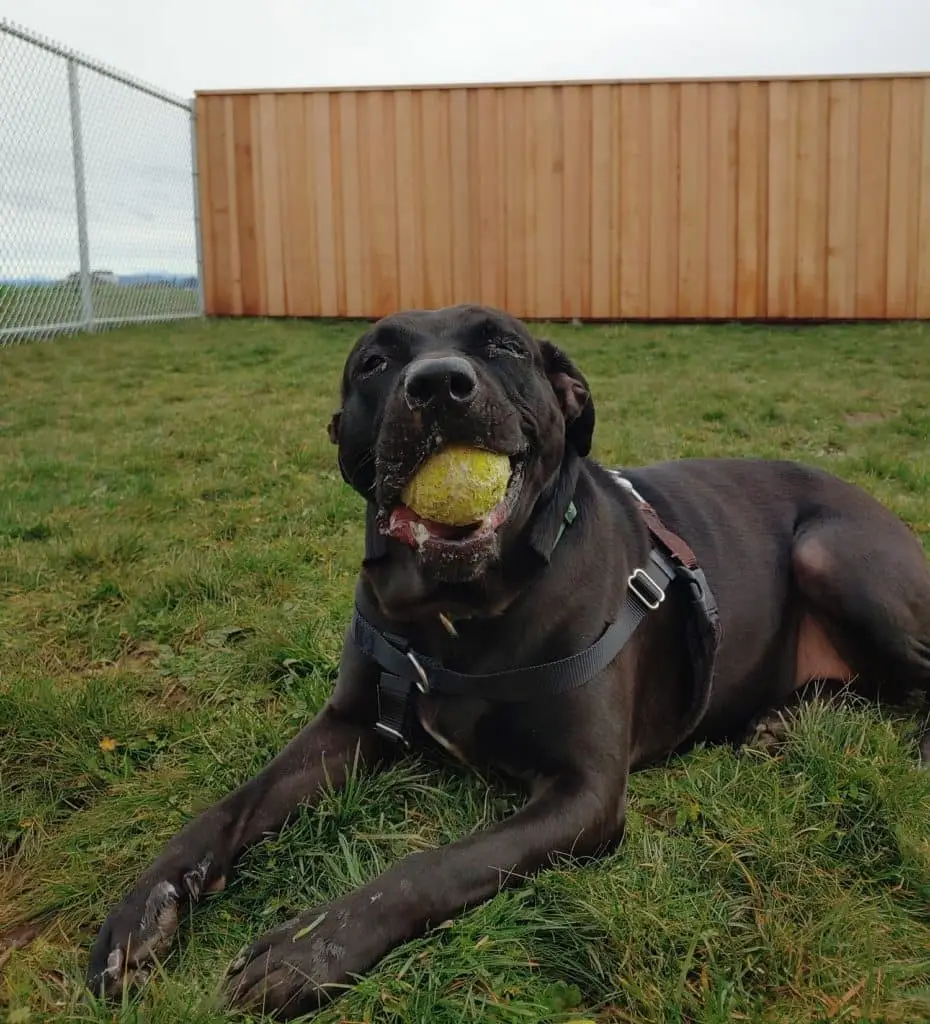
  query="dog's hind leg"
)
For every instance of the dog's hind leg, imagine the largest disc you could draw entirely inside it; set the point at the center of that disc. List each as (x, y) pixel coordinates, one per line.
(769, 730)
(864, 582)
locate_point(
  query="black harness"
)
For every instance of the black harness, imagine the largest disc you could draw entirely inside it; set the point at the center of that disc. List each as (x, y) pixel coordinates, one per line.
(406, 673)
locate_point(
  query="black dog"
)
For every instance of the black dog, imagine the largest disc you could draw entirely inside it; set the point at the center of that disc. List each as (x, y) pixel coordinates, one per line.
(568, 638)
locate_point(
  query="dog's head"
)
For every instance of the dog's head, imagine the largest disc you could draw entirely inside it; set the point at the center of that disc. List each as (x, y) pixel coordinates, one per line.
(419, 380)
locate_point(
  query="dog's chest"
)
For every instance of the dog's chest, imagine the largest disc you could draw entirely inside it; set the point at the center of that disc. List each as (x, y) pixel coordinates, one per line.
(453, 723)
(479, 734)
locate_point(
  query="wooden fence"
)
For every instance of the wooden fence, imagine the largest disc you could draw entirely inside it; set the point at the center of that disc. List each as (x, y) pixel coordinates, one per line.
(700, 199)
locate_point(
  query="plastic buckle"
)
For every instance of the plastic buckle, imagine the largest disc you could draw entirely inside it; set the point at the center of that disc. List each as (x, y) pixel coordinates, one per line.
(700, 591)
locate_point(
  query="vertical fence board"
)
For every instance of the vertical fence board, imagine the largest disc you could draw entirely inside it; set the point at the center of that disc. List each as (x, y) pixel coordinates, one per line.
(380, 201)
(461, 214)
(475, 157)
(337, 154)
(601, 113)
(812, 197)
(529, 197)
(218, 185)
(437, 199)
(548, 195)
(369, 179)
(271, 204)
(346, 171)
(635, 192)
(756, 199)
(235, 257)
(842, 192)
(664, 100)
(249, 267)
(752, 201)
(782, 218)
(319, 157)
(723, 125)
(923, 239)
(409, 200)
(872, 237)
(258, 193)
(298, 213)
(614, 211)
(693, 202)
(576, 202)
(515, 177)
(904, 197)
(489, 163)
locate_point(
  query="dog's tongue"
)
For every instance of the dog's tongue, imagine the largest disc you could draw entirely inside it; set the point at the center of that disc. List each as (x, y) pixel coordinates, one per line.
(407, 525)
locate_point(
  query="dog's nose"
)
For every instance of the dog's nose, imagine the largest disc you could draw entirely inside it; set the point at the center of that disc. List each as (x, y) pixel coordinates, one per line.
(440, 380)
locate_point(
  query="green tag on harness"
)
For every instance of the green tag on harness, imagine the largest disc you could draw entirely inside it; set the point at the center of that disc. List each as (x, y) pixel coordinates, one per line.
(571, 514)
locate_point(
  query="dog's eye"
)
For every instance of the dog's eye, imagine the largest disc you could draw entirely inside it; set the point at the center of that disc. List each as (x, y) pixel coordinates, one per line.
(506, 347)
(372, 363)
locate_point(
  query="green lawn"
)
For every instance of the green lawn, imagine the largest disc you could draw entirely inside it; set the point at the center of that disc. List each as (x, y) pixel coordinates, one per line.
(47, 305)
(177, 553)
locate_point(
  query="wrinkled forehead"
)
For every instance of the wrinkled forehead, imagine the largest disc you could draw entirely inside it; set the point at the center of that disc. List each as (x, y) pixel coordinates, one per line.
(466, 329)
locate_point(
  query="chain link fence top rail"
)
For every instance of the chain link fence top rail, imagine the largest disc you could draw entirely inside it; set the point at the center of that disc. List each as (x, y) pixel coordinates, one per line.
(98, 197)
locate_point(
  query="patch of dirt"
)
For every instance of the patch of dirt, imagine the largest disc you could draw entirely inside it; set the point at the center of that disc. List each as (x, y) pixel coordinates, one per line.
(20, 936)
(865, 419)
(175, 697)
(136, 656)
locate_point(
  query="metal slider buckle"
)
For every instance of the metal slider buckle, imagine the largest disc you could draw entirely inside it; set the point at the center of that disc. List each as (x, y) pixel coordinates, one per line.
(422, 682)
(391, 733)
(640, 582)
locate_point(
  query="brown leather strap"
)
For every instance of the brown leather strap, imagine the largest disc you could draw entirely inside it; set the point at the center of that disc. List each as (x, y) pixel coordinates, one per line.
(675, 545)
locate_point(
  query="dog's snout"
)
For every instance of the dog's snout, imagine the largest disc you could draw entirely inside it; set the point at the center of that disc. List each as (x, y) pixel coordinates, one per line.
(440, 380)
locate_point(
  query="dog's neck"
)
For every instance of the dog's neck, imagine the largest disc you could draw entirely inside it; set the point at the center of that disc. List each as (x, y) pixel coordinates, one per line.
(555, 508)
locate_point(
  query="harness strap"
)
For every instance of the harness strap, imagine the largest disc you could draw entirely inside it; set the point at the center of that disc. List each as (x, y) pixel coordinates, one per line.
(645, 592)
(672, 541)
(676, 547)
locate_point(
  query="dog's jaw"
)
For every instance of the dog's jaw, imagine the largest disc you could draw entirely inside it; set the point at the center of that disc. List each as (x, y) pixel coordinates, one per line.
(454, 554)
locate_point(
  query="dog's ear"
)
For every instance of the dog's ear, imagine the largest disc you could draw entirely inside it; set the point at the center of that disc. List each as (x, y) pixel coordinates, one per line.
(333, 428)
(574, 395)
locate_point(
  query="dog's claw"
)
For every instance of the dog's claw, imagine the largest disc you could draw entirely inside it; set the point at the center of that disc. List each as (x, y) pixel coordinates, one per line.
(193, 883)
(115, 961)
(141, 975)
(237, 964)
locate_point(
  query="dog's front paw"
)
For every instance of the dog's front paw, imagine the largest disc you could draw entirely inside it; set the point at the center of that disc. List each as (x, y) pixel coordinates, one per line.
(298, 967)
(141, 928)
(768, 732)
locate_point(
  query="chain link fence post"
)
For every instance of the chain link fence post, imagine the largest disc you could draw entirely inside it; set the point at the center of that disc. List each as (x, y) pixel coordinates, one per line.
(80, 194)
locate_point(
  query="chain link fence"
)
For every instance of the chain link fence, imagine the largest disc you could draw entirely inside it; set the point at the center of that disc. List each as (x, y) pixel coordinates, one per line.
(98, 195)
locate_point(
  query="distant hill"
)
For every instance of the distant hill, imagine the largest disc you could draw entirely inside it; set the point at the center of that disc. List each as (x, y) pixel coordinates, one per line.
(117, 280)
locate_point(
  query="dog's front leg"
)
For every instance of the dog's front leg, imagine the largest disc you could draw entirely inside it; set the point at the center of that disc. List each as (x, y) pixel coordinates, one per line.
(199, 858)
(289, 970)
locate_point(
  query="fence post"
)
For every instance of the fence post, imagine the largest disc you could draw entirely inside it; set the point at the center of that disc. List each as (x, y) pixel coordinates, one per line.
(195, 185)
(80, 194)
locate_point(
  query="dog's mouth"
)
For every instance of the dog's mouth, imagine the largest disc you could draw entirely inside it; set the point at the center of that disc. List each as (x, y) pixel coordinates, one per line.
(452, 542)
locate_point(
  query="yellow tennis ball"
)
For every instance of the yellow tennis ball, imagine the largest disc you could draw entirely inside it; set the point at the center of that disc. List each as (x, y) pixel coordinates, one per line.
(458, 486)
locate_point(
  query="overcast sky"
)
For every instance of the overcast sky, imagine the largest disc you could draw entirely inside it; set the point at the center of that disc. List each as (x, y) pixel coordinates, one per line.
(137, 150)
(183, 45)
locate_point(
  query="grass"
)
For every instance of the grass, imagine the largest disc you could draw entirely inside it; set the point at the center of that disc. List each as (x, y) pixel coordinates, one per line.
(24, 306)
(177, 554)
